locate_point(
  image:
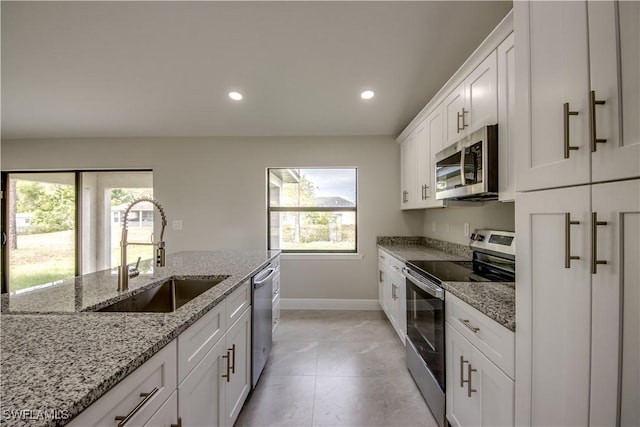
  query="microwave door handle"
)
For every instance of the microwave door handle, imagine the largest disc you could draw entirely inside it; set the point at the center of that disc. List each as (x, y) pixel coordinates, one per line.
(462, 177)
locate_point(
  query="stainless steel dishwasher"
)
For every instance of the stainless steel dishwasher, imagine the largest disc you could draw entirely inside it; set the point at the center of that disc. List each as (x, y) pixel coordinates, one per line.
(261, 339)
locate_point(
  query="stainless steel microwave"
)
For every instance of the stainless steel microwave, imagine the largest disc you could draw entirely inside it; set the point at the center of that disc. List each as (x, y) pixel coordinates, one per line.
(468, 169)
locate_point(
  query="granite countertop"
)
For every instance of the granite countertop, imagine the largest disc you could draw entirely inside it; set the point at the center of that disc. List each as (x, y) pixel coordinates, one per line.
(58, 358)
(496, 300)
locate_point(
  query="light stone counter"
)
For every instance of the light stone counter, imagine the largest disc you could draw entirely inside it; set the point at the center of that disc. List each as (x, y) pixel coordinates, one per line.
(497, 300)
(60, 362)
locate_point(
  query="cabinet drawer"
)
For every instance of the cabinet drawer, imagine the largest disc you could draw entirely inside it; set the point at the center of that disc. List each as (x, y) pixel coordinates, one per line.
(238, 302)
(199, 338)
(157, 373)
(495, 341)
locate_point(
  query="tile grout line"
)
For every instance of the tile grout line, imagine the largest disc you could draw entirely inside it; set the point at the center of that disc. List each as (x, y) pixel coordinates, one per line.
(315, 385)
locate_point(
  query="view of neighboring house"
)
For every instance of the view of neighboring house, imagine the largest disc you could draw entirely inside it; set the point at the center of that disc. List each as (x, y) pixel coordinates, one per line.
(140, 216)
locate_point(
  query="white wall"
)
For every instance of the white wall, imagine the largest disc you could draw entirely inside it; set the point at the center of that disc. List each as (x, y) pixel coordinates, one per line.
(449, 222)
(217, 187)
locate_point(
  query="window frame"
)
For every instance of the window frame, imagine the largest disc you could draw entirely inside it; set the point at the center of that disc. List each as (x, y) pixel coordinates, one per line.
(273, 209)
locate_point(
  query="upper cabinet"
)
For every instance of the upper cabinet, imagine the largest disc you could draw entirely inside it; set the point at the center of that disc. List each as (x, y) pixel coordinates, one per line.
(507, 124)
(474, 103)
(574, 60)
(480, 93)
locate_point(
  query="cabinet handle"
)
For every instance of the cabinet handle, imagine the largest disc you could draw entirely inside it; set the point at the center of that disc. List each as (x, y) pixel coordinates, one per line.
(592, 121)
(228, 374)
(567, 146)
(393, 291)
(179, 423)
(462, 380)
(466, 323)
(567, 240)
(458, 122)
(405, 199)
(470, 388)
(464, 122)
(233, 358)
(594, 242)
(380, 276)
(127, 418)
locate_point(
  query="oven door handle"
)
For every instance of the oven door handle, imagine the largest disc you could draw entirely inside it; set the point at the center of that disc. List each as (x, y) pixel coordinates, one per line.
(432, 290)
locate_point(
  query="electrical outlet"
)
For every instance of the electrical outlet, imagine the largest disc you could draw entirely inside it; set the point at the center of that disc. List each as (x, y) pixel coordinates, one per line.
(466, 229)
(177, 224)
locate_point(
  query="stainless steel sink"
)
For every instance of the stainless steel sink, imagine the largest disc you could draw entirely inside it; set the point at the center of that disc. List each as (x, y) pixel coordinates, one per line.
(165, 297)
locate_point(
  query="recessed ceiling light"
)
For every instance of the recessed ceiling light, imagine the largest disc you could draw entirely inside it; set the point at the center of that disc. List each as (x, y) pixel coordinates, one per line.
(367, 94)
(236, 96)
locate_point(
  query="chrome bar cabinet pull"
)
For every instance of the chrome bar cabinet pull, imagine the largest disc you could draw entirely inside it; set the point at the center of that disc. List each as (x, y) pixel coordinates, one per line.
(233, 358)
(466, 323)
(567, 240)
(228, 374)
(462, 380)
(592, 122)
(134, 411)
(594, 242)
(470, 388)
(179, 423)
(567, 145)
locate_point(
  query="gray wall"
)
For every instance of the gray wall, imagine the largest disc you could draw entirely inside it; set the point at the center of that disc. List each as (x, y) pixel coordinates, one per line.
(217, 187)
(449, 222)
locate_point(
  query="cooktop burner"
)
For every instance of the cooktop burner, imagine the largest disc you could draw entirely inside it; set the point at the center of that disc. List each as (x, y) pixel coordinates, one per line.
(448, 271)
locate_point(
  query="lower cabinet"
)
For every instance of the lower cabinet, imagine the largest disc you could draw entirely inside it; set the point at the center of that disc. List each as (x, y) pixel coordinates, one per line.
(214, 392)
(202, 378)
(392, 292)
(479, 392)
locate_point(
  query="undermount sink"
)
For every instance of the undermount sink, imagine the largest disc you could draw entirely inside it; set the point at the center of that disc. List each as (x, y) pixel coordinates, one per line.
(165, 297)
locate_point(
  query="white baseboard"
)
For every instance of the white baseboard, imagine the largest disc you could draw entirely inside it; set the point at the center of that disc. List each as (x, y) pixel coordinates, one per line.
(328, 304)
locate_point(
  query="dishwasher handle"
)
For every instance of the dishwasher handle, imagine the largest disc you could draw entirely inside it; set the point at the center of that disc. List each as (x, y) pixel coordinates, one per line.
(257, 283)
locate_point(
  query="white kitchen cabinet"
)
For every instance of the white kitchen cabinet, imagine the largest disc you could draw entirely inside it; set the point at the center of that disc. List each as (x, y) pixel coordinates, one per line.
(474, 103)
(569, 311)
(215, 390)
(238, 385)
(478, 392)
(167, 415)
(614, 54)
(408, 167)
(418, 163)
(138, 396)
(392, 292)
(506, 119)
(275, 302)
(566, 50)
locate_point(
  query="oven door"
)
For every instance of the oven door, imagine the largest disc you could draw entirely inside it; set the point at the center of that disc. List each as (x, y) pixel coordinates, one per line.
(425, 326)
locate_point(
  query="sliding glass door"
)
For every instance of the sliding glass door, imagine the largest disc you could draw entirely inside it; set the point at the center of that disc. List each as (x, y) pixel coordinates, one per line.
(41, 231)
(62, 224)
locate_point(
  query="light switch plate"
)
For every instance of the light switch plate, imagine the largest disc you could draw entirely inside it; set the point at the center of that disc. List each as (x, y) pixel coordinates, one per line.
(466, 229)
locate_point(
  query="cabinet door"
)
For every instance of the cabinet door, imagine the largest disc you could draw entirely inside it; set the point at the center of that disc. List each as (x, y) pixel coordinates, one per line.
(553, 308)
(462, 410)
(453, 106)
(422, 152)
(167, 415)
(616, 295)
(201, 394)
(435, 128)
(552, 66)
(481, 95)
(614, 52)
(506, 119)
(396, 282)
(494, 393)
(239, 347)
(407, 167)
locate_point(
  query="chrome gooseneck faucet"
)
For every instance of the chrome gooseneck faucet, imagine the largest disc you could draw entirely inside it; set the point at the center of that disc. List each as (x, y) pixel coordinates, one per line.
(123, 271)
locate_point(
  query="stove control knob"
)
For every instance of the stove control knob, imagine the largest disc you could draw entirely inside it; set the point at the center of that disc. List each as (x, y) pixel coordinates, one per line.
(479, 237)
(473, 236)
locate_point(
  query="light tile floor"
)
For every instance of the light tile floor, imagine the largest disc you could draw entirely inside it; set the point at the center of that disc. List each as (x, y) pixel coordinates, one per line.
(335, 368)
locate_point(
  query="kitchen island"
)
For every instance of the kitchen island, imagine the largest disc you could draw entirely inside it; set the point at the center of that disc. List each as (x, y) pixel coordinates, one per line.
(59, 356)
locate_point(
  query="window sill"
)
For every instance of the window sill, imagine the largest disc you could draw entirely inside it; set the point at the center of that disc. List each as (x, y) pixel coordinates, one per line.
(323, 257)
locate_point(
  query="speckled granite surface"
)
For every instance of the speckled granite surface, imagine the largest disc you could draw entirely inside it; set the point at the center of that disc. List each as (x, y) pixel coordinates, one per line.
(495, 299)
(423, 249)
(61, 363)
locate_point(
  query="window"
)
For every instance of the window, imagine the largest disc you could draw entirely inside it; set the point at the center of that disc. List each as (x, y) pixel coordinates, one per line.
(312, 209)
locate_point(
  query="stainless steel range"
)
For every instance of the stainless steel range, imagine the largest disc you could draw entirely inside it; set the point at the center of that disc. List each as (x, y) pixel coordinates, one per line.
(493, 260)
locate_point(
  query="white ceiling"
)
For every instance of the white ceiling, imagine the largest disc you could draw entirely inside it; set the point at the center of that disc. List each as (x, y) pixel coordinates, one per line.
(124, 69)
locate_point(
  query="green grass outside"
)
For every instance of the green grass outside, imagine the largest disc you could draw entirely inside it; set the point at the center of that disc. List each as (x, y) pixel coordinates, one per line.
(47, 257)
